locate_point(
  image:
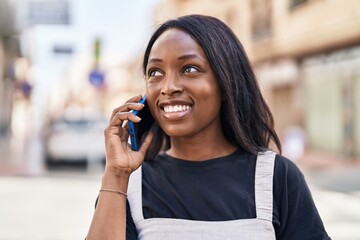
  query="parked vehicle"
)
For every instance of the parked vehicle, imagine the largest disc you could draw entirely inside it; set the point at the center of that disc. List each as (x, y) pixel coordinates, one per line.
(74, 140)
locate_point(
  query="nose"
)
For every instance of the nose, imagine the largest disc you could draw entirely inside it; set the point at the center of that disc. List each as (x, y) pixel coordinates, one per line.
(171, 86)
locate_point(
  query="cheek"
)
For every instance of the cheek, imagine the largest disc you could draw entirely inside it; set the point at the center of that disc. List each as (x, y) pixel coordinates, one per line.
(209, 92)
(152, 89)
(211, 100)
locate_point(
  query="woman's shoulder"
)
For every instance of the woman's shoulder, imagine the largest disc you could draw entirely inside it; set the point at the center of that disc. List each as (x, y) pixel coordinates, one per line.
(286, 165)
(288, 173)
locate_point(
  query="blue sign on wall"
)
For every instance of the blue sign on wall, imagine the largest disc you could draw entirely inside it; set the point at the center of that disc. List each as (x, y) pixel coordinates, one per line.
(97, 78)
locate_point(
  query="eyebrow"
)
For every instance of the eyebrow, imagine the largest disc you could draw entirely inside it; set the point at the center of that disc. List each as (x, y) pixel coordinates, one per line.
(189, 56)
(154, 60)
(183, 57)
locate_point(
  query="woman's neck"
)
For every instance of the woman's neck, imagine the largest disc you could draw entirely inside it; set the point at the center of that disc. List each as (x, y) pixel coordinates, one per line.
(200, 148)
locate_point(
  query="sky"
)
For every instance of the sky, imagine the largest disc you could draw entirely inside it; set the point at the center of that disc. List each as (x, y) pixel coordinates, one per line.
(123, 25)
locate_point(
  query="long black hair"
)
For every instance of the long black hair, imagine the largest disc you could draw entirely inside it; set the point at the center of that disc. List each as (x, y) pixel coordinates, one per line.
(245, 117)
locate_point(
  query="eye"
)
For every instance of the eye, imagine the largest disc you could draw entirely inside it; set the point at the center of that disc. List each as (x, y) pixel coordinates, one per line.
(190, 69)
(154, 73)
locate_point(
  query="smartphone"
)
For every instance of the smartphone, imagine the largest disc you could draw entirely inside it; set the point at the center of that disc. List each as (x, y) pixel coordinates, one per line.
(138, 130)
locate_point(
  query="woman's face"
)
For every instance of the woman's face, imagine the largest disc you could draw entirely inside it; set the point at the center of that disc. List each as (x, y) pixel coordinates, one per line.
(182, 92)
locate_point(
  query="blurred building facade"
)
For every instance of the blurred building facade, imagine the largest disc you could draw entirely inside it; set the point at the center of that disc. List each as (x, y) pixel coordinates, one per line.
(9, 52)
(57, 39)
(306, 54)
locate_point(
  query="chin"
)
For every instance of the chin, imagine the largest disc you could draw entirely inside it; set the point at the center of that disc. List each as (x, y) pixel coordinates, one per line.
(176, 131)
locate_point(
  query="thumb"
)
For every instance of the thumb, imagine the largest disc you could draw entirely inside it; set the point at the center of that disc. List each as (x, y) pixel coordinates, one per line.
(145, 145)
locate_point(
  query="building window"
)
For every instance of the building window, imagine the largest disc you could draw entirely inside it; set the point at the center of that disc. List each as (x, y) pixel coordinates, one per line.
(261, 18)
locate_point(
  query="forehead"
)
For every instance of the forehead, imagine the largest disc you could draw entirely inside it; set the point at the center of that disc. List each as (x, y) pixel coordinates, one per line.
(175, 41)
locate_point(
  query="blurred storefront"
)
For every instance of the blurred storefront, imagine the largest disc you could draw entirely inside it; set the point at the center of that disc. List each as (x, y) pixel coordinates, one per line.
(331, 86)
(306, 57)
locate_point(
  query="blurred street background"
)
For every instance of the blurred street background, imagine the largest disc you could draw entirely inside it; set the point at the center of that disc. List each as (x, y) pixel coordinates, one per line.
(65, 64)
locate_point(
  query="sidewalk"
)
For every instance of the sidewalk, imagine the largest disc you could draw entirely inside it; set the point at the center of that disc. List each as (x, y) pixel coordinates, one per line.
(339, 211)
(335, 185)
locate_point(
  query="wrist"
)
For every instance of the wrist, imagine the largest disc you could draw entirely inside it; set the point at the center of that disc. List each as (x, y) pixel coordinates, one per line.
(115, 179)
(117, 172)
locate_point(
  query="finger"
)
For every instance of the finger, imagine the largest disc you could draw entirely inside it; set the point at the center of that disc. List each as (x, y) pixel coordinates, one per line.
(127, 108)
(131, 104)
(145, 145)
(120, 117)
(116, 124)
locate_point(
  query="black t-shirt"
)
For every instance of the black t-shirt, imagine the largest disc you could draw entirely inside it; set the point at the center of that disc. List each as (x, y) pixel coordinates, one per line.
(222, 189)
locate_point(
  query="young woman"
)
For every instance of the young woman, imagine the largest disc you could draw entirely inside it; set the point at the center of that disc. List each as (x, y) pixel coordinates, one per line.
(208, 172)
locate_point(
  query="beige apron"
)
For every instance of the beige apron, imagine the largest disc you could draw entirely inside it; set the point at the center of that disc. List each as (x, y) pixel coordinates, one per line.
(259, 228)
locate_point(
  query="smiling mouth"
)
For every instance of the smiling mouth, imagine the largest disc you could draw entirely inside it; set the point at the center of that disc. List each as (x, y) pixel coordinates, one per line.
(176, 108)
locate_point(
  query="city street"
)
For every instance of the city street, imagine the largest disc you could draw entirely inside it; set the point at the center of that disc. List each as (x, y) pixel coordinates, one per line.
(339, 210)
(47, 208)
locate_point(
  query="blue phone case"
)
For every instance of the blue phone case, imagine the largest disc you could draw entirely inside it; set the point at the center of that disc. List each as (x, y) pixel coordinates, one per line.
(132, 129)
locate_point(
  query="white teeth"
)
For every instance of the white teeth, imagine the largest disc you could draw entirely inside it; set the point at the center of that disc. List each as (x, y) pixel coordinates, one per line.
(176, 108)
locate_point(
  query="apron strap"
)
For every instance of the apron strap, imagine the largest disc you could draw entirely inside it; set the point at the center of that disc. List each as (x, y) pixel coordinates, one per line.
(264, 185)
(135, 195)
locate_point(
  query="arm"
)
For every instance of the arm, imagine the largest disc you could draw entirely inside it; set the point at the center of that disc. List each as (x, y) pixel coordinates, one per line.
(109, 220)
